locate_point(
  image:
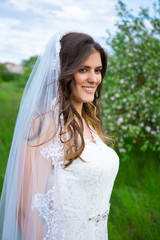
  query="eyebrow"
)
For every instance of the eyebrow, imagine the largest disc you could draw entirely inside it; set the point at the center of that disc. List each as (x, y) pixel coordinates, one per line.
(90, 67)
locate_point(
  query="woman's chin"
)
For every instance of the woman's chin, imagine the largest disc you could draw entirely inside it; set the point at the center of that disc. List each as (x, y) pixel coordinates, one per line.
(88, 100)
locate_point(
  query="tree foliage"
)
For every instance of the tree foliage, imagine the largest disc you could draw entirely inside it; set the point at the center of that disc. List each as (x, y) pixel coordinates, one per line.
(27, 69)
(30, 62)
(6, 75)
(20, 79)
(131, 90)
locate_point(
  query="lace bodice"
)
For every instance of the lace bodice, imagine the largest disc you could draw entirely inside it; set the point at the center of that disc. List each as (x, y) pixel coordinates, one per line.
(84, 191)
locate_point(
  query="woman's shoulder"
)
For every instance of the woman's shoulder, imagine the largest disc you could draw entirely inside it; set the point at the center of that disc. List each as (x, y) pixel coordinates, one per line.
(43, 130)
(100, 143)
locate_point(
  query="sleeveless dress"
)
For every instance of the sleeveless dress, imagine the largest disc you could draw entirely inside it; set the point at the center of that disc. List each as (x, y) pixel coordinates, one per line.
(84, 189)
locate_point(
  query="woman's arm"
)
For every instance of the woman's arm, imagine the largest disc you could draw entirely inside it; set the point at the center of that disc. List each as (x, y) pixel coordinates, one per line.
(34, 170)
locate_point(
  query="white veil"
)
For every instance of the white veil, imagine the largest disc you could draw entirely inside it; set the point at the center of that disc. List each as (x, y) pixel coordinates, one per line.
(30, 206)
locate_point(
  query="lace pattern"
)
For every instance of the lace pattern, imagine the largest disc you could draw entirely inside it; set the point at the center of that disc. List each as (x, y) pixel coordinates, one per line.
(49, 204)
(54, 152)
(85, 190)
(46, 204)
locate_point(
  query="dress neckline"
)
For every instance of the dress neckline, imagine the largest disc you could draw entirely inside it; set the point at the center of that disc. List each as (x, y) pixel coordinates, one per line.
(93, 140)
(93, 136)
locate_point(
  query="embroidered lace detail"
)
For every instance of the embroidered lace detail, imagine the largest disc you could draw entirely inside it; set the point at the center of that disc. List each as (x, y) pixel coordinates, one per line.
(84, 190)
(55, 152)
(49, 204)
(46, 204)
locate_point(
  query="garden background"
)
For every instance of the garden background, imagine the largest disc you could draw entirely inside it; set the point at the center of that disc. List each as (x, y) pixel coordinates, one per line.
(131, 116)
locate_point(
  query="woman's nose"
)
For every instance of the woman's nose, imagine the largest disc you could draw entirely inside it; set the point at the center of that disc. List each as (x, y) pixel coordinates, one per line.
(92, 77)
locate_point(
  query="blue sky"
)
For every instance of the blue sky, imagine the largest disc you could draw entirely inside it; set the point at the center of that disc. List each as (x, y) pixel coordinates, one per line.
(25, 26)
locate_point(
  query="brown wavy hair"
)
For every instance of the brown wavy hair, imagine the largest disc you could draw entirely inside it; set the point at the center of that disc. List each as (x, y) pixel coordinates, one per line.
(75, 49)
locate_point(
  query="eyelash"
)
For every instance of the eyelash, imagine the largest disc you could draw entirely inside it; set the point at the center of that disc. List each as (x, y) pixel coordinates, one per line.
(82, 70)
(99, 70)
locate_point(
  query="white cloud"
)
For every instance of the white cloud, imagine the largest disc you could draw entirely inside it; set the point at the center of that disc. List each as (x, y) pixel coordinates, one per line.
(22, 6)
(74, 13)
(54, 2)
(27, 25)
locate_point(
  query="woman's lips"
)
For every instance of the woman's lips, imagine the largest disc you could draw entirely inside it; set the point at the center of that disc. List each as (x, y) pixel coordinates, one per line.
(90, 90)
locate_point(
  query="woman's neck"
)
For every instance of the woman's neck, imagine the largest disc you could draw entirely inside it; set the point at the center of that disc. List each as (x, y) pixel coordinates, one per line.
(78, 107)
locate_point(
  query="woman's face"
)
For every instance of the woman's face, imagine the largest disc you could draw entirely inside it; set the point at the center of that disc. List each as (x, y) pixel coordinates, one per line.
(87, 79)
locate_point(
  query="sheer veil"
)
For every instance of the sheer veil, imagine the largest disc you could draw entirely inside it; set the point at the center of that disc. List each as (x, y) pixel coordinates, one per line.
(30, 206)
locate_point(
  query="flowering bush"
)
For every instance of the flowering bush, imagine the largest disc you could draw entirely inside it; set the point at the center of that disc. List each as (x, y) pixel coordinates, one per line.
(131, 89)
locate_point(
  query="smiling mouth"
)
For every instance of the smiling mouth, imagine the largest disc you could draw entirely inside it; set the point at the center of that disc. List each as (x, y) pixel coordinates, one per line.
(89, 89)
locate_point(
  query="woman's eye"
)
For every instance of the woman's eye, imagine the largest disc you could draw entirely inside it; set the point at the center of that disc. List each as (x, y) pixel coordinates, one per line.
(98, 70)
(82, 70)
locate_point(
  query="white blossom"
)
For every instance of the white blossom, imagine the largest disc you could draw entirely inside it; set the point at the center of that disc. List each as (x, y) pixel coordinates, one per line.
(153, 132)
(119, 107)
(121, 81)
(148, 128)
(122, 150)
(112, 98)
(120, 120)
(141, 124)
(124, 127)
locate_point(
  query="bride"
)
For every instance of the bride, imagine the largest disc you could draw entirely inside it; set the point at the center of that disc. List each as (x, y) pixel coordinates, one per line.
(60, 171)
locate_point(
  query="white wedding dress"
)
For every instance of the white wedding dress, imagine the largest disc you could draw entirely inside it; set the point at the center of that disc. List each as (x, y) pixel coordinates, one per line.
(85, 189)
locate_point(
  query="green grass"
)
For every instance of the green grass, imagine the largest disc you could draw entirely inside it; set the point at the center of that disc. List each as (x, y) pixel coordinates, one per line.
(135, 209)
(135, 201)
(9, 101)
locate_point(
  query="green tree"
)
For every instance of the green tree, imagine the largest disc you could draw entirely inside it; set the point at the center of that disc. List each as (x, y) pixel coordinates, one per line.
(2, 72)
(30, 62)
(131, 90)
(28, 65)
(6, 75)
(27, 69)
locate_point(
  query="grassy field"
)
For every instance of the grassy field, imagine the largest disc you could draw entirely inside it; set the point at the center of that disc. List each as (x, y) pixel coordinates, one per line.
(9, 103)
(136, 208)
(135, 202)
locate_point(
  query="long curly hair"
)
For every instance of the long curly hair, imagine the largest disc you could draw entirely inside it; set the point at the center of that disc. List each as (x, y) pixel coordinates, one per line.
(75, 49)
